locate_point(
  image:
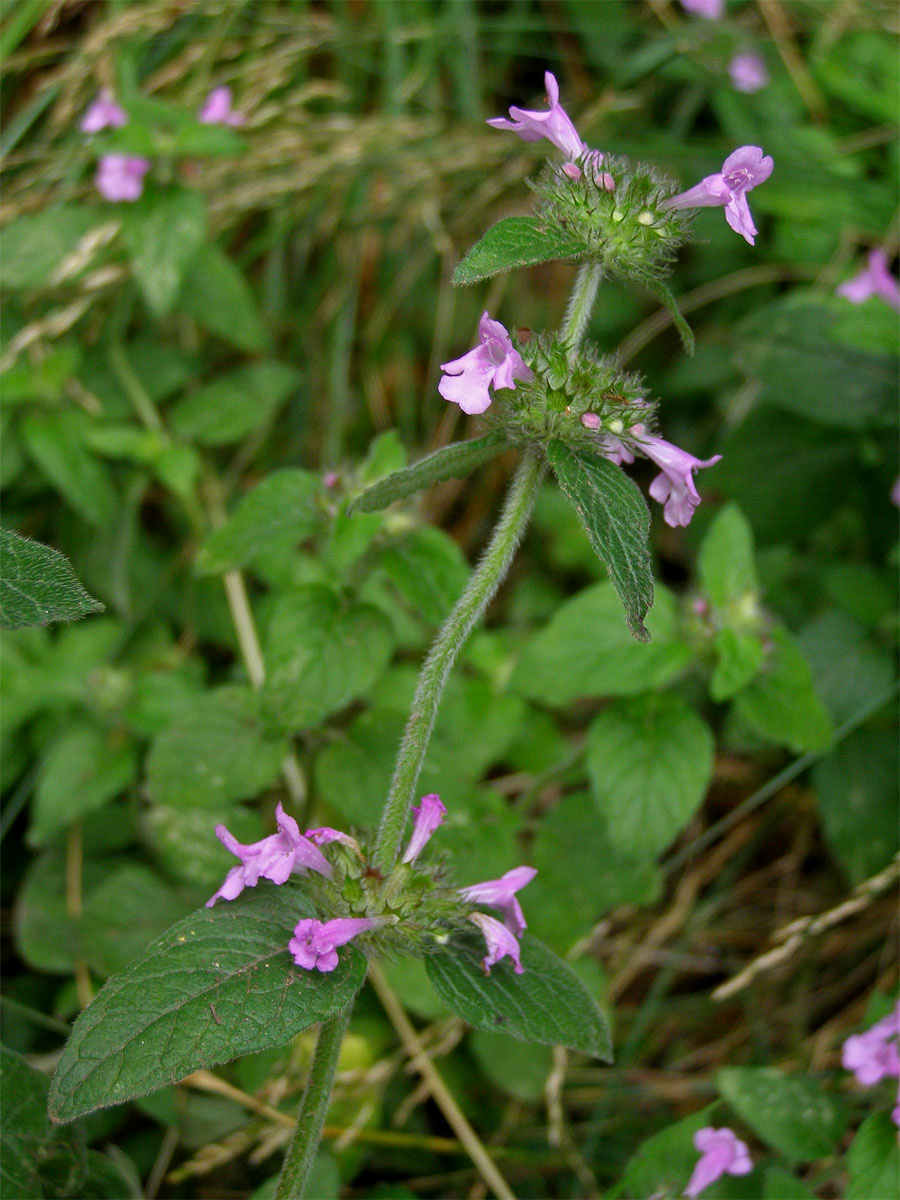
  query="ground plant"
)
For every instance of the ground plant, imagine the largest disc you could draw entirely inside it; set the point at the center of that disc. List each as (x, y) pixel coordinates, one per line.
(448, 599)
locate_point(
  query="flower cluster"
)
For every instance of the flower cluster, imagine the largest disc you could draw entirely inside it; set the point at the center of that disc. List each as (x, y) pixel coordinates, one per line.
(721, 1153)
(412, 902)
(875, 1055)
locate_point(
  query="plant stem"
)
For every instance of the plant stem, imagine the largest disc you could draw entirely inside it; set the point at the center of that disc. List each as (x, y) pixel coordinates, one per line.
(581, 305)
(481, 589)
(304, 1144)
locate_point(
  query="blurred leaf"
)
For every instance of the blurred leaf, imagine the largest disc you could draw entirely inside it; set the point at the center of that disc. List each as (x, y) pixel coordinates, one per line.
(849, 668)
(184, 842)
(725, 564)
(217, 141)
(450, 462)
(547, 1003)
(219, 984)
(665, 1161)
(781, 702)
(585, 650)
(781, 1185)
(234, 405)
(43, 380)
(36, 1159)
(216, 753)
(789, 1112)
(54, 441)
(280, 511)
(860, 69)
(429, 569)
(739, 657)
(217, 295)
(35, 245)
(38, 585)
(46, 935)
(617, 521)
(649, 760)
(514, 242)
(873, 1159)
(320, 655)
(163, 231)
(519, 1069)
(123, 914)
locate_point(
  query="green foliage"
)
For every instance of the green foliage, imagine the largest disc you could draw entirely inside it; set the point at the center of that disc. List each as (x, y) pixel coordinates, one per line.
(34, 246)
(781, 702)
(873, 1159)
(36, 1160)
(725, 564)
(38, 585)
(279, 513)
(236, 404)
(220, 983)
(450, 462)
(515, 242)
(163, 232)
(789, 1112)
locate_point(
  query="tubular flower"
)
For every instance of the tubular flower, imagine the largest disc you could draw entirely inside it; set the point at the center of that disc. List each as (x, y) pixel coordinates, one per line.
(741, 172)
(748, 72)
(495, 361)
(501, 893)
(874, 1055)
(674, 486)
(104, 113)
(313, 944)
(217, 109)
(325, 834)
(500, 942)
(874, 280)
(275, 858)
(721, 1153)
(427, 814)
(121, 176)
(553, 124)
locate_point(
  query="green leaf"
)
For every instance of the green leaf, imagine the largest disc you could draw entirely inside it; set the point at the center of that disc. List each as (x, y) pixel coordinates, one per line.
(849, 667)
(781, 703)
(789, 1112)
(873, 1159)
(36, 1160)
(320, 655)
(662, 1165)
(738, 659)
(617, 521)
(81, 772)
(518, 1068)
(219, 984)
(279, 512)
(55, 442)
(515, 242)
(233, 405)
(450, 462)
(38, 585)
(782, 1185)
(162, 232)
(649, 759)
(34, 246)
(726, 564)
(429, 569)
(585, 650)
(217, 295)
(216, 753)
(547, 1004)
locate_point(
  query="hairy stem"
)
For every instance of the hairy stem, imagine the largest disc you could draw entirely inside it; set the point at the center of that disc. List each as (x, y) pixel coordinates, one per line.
(581, 305)
(304, 1144)
(481, 589)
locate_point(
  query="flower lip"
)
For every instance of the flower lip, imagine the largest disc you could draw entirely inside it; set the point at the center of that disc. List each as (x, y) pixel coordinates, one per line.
(495, 362)
(553, 124)
(276, 857)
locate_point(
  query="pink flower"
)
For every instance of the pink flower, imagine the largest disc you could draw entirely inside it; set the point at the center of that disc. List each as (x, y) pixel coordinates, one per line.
(711, 10)
(103, 113)
(501, 893)
(428, 814)
(121, 176)
(721, 1153)
(501, 943)
(217, 109)
(494, 362)
(895, 492)
(874, 280)
(275, 858)
(748, 72)
(674, 487)
(741, 172)
(325, 834)
(874, 1055)
(313, 944)
(554, 124)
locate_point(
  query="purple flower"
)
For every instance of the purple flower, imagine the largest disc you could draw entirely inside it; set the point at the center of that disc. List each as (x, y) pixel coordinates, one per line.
(427, 814)
(712, 10)
(895, 492)
(721, 1153)
(741, 172)
(274, 858)
(554, 124)
(501, 893)
(874, 1055)
(674, 487)
(325, 834)
(103, 113)
(496, 361)
(218, 111)
(748, 72)
(500, 942)
(313, 943)
(874, 280)
(121, 176)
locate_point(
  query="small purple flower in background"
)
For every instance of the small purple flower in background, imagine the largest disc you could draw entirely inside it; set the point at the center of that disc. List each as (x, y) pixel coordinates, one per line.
(121, 176)
(275, 858)
(711, 10)
(217, 109)
(721, 1153)
(748, 72)
(674, 487)
(874, 1055)
(874, 280)
(895, 492)
(495, 362)
(501, 893)
(104, 113)
(313, 944)
(554, 124)
(501, 943)
(427, 815)
(741, 171)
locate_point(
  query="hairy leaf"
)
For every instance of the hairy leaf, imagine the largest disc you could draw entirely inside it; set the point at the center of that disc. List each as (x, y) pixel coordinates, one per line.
(515, 242)
(36, 1160)
(38, 585)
